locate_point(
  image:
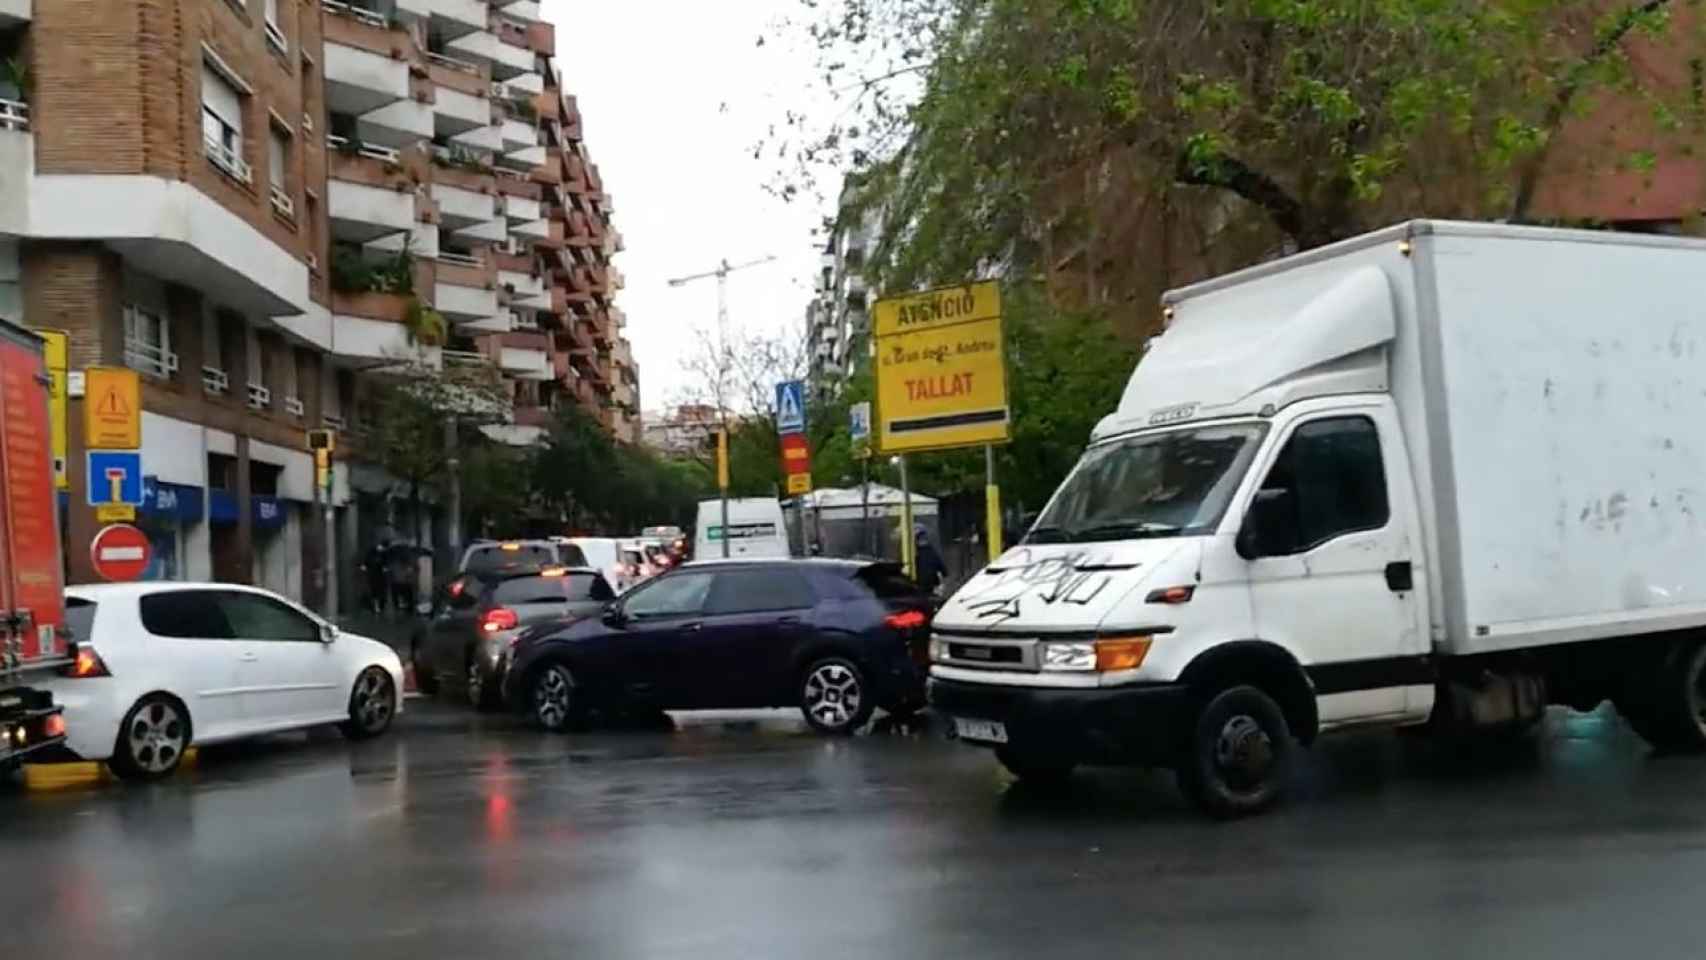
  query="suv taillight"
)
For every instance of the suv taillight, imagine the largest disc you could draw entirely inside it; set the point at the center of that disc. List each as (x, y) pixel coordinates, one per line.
(86, 663)
(906, 619)
(499, 618)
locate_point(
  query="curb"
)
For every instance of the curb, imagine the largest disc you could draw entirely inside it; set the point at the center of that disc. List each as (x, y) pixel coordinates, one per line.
(82, 773)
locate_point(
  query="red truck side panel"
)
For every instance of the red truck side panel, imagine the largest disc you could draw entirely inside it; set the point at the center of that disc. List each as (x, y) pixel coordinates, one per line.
(30, 580)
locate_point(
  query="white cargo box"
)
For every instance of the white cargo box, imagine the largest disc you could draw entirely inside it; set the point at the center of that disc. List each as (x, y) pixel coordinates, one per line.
(1552, 388)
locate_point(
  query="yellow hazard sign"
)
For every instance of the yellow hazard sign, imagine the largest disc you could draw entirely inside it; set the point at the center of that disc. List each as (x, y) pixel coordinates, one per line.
(55, 352)
(112, 409)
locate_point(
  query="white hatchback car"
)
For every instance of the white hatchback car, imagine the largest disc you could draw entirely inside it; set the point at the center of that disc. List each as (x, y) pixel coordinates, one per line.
(161, 666)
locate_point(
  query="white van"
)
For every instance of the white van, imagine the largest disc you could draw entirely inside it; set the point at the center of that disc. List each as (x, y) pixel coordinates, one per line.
(1443, 473)
(756, 529)
(604, 554)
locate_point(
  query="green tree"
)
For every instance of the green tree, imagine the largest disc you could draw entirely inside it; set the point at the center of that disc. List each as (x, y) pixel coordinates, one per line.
(408, 409)
(1027, 132)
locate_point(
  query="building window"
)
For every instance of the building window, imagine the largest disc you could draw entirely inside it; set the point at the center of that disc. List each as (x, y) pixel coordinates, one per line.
(275, 35)
(278, 155)
(148, 344)
(260, 395)
(222, 123)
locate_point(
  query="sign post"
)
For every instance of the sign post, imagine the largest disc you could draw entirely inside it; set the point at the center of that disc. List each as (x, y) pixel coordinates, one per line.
(56, 356)
(723, 481)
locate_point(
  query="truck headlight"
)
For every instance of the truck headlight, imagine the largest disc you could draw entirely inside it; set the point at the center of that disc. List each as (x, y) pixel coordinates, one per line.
(1069, 656)
(938, 650)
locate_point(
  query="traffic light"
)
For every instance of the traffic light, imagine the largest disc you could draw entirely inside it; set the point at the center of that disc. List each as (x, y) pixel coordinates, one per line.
(322, 440)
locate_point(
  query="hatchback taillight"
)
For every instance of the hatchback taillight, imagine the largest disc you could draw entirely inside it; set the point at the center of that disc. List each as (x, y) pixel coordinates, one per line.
(499, 618)
(86, 663)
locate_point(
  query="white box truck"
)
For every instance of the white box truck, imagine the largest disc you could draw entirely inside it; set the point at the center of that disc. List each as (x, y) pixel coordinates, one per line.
(1444, 473)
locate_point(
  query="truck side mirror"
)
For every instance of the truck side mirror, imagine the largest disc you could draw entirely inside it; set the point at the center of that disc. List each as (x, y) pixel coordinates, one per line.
(1263, 532)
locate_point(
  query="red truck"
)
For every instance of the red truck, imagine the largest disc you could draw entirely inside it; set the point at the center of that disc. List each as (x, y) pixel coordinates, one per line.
(33, 638)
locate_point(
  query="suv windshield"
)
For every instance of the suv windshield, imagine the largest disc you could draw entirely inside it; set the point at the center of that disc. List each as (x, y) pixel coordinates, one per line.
(1152, 485)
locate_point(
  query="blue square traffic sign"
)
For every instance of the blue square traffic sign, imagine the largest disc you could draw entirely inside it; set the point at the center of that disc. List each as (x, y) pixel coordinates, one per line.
(115, 476)
(791, 407)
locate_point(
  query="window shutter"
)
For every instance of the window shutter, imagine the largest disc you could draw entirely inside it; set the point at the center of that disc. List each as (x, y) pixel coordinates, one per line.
(221, 98)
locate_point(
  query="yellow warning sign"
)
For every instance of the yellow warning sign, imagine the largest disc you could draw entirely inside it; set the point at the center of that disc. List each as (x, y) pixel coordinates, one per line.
(115, 513)
(112, 409)
(799, 483)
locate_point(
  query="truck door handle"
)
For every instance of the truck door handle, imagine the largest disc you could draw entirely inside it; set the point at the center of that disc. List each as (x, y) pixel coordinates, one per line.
(248, 657)
(691, 627)
(1399, 578)
(788, 620)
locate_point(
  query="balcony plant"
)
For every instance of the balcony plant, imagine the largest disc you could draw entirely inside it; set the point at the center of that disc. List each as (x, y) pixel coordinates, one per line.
(355, 272)
(426, 326)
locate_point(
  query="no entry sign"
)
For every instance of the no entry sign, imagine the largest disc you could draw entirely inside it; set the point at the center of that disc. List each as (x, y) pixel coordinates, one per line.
(120, 552)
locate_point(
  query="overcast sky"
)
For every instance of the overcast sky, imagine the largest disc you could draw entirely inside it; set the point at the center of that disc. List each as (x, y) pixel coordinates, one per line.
(674, 95)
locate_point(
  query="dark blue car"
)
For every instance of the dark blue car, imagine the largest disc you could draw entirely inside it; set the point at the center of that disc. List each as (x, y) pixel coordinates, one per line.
(835, 638)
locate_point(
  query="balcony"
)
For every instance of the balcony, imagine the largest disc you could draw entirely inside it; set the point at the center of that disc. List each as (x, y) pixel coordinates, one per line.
(465, 294)
(368, 194)
(504, 58)
(15, 13)
(456, 111)
(364, 66)
(520, 209)
(527, 292)
(455, 18)
(523, 87)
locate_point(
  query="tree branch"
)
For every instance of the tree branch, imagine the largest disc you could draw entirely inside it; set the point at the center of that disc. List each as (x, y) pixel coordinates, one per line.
(1230, 173)
(1573, 82)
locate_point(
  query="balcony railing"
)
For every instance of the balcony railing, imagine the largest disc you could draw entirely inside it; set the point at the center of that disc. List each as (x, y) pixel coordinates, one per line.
(215, 381)
(283, 204)
(345, 10)
(452, 63)
(374, 150)
(14, 115)
(466, 358)
(295, 407)
(149, 359)
(227, 159)
(260, 397)
(460, 259)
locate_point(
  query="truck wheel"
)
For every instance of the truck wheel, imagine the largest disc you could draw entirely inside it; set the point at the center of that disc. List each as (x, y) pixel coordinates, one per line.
(1033, 767)
(1238, 758)
(1673, 715)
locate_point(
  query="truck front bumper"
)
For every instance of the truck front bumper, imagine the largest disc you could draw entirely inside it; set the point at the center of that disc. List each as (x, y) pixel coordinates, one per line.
(1135, 724)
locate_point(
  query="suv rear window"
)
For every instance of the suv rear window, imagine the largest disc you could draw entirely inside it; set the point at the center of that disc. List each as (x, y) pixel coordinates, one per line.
(541, 589)
(494, 557)
(888, 582)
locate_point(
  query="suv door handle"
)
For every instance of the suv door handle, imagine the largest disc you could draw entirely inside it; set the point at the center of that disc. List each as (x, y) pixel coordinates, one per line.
(691, 627)
(1399, 577)
(788, 620)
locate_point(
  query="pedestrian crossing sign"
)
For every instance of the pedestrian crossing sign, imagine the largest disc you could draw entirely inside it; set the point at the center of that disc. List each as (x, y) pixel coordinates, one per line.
(791, 407)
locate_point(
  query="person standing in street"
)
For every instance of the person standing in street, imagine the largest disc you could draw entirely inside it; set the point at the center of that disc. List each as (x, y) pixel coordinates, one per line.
(378, 584)
(400, 564)
(931, 571)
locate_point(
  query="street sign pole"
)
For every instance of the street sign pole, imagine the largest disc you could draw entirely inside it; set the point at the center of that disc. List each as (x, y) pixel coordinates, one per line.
(865, 507)
(992, 502)
(908, 549)
(723, 480)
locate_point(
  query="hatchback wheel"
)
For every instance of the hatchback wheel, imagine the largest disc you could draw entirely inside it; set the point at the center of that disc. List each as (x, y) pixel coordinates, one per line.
(152, 739)
(833, 696)
(372, 704)
(553, 697)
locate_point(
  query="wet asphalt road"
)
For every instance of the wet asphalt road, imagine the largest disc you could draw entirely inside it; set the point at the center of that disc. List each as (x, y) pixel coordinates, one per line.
(745, 836)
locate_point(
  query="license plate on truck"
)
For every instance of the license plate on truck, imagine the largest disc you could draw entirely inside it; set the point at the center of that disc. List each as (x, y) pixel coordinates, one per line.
(981, 731)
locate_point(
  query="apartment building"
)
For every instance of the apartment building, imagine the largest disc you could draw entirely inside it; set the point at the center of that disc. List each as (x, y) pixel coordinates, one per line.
(265, 205)
(838, 316)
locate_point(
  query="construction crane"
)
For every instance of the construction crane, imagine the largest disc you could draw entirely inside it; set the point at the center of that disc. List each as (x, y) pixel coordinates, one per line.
(722, 274)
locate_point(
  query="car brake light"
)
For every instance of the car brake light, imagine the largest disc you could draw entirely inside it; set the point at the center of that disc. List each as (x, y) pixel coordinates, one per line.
(87, 663)
(55, 726)
(499, 618)
(906, 619)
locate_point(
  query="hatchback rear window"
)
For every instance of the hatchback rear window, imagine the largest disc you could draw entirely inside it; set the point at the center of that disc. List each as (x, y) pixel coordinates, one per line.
(80, 619)
(486, 559)
(568, 587)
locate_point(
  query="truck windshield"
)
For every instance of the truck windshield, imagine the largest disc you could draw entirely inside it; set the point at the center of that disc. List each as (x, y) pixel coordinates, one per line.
(1153, 485)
